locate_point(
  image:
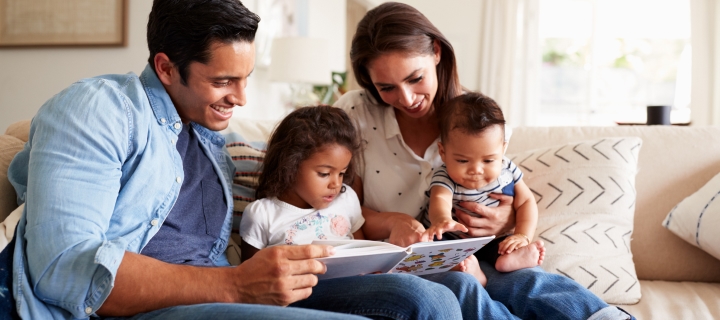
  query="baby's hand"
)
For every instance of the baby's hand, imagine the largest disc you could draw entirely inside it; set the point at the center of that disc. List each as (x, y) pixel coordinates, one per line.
(437, 229)
(512, 243)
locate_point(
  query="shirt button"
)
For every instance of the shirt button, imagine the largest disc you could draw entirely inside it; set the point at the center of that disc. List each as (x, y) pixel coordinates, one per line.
(154, 222)
(88, 310)
(163, 120)
(178, 126)
(178, 179)
(172, 141)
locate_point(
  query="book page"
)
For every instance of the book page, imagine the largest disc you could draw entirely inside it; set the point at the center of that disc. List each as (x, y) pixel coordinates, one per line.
(439, 256)
(360, 265)
(345, 248)
(360, 257)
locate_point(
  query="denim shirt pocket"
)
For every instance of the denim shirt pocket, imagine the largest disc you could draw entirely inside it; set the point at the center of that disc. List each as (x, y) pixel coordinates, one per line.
(214, 207)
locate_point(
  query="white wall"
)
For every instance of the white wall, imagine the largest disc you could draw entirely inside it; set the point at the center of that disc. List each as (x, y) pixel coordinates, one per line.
(326, 20)
(323, 19)
(458, 21)
(28, 77)
(31, 76)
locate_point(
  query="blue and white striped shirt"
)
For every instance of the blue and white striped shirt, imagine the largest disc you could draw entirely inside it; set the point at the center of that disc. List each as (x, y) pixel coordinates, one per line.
(505, 183)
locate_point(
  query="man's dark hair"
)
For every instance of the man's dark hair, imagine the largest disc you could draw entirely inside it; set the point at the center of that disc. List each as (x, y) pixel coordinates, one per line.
(471, 113)
(185, 29)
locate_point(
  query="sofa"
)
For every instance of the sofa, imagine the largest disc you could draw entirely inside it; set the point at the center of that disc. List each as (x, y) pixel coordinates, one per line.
(676, 280)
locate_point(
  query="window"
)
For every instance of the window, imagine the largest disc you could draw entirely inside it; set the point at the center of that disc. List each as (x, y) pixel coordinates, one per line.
(604, 61)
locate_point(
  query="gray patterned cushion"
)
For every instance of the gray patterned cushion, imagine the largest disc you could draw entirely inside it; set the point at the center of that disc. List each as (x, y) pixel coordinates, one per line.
(586, 201)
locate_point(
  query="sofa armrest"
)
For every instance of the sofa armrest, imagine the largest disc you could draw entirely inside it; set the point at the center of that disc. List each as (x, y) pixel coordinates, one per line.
(9, 146)
(20, 130)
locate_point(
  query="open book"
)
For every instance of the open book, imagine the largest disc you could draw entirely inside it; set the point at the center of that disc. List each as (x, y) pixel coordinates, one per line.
(358, 257)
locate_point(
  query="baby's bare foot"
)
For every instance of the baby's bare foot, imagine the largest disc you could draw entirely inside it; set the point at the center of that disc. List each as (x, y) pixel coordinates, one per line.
(528, 256)
(473, 267)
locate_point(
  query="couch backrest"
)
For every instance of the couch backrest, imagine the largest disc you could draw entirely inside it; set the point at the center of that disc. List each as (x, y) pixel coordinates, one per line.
(10, 144)
(674, 162)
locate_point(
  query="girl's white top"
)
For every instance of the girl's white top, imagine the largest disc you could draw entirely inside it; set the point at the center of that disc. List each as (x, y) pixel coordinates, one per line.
(270, 222)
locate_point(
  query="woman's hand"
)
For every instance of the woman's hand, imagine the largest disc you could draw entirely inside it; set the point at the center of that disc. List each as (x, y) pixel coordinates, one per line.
(487, 221)
(406, 230)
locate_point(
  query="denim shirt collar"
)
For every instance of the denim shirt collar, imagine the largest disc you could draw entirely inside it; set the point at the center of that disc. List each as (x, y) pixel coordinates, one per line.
(160, 102)
(164, 109)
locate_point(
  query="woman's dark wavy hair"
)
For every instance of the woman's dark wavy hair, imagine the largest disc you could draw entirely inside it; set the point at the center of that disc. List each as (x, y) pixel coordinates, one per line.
(397, 27)
(471, 113)
(185, 29)
(302, 133)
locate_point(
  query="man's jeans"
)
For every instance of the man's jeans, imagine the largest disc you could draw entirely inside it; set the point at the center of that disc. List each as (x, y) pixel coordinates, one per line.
(529, 293)
(380, 296)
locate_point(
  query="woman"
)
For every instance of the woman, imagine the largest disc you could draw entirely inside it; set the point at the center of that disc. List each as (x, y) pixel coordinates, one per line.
(407, 68)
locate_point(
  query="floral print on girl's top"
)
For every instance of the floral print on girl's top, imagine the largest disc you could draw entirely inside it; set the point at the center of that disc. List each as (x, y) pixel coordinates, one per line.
(319, 224)
(340, 226)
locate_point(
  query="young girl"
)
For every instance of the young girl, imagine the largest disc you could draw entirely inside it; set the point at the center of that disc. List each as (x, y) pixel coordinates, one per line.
(303, 191)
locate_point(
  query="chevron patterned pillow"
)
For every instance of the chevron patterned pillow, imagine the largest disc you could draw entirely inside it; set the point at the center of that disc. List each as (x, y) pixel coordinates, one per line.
(696, 218)
(586, 201)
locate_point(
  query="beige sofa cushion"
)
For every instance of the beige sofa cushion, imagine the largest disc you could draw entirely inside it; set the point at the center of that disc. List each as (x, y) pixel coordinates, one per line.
(664, 300)
(674, 162)
(20, 130)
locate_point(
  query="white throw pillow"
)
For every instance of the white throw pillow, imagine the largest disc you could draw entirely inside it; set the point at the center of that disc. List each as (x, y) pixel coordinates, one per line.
(697, 217)
(586, 201)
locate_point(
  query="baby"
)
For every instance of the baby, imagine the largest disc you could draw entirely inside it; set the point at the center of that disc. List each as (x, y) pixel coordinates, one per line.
(472, 146)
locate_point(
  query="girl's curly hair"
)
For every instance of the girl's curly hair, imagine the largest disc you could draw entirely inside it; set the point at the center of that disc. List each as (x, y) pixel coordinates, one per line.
(302, 133)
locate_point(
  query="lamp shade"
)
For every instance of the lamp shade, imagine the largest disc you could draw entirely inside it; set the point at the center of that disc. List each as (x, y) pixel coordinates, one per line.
(299, 59)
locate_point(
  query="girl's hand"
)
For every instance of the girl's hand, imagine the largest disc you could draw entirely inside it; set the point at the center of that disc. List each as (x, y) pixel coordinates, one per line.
(437, 229)
(486, 221)
(406, 231)
(511, 243)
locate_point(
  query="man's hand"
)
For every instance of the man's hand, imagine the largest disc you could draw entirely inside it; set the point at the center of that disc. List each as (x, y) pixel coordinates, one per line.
(486, 221)
(437, 229)
(280, 275)
(406, 230)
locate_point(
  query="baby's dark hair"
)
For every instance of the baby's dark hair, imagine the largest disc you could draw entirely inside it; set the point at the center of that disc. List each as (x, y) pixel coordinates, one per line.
(471, 113)
(302, 133)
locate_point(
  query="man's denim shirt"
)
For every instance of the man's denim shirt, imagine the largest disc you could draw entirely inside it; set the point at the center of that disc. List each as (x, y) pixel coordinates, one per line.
(99, 175)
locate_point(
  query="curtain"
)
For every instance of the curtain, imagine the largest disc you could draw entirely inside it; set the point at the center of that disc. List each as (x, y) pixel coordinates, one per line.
(705, 41)
(509, 57)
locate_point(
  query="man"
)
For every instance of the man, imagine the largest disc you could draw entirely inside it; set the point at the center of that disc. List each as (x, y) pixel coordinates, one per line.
(128, 202)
